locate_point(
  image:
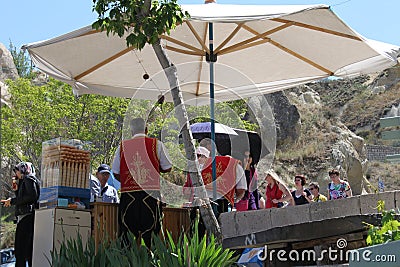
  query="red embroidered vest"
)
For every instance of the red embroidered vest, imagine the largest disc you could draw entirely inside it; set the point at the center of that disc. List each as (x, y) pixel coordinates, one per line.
(226, 176)
(139, 165)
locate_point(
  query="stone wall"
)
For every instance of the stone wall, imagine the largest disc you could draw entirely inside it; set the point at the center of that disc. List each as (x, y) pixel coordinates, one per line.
(240, 227)
(378, 153)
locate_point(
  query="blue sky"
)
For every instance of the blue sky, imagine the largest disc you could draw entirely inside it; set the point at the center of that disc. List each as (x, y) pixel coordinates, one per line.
(27, 21)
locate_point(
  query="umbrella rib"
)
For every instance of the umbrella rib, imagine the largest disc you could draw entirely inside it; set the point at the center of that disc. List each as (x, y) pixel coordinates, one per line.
(194, 49)
(287, 50)
(237, 48)
(198, 38)
(201, 64)
(104, 62)
(252, 39)
(315, 28)
(234, 32)
(182, 51)
(312, 63)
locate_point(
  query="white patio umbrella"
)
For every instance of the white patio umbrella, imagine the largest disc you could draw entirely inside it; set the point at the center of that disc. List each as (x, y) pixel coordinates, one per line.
(277, 47)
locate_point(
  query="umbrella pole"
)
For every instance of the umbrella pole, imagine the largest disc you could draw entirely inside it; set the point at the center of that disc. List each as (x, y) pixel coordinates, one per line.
(213, 149)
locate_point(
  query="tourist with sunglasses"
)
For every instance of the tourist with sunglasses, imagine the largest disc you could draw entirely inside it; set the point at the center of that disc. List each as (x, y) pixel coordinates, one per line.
(301, 195)
(314, 189)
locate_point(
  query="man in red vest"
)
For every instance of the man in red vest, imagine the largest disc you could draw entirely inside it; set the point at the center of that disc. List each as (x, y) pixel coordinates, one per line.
(137, 164)
(230, 181)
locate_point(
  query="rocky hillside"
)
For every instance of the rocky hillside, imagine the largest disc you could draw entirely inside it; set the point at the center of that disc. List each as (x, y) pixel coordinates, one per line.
(337, 119)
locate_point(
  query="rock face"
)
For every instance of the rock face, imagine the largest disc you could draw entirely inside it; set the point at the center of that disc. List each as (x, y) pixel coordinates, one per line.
(279, 123)
(387, 78)
(7, 71)
(5, 96)
(263, 115)
(350, 155)
(287, 118)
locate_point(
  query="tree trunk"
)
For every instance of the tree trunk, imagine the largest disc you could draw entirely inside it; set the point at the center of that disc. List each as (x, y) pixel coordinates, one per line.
(206, 211)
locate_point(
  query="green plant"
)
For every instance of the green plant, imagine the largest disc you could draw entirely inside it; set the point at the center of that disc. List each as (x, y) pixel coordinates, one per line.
(188, 251)
(109, 253)
(389, 231)
(196, 251)
(22, 62)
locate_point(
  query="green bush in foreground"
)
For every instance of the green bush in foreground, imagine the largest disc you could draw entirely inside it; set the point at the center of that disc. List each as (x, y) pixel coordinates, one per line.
(187, 251)
(389, 231)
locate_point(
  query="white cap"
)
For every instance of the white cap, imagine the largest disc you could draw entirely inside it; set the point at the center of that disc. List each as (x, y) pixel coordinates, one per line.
(203, 151)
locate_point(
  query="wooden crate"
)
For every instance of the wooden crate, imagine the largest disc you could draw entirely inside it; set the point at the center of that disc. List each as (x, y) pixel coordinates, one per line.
(104, 221)
(176, 220)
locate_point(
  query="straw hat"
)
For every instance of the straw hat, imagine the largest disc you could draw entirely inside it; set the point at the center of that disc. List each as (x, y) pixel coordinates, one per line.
(274, 176)
(202, 151)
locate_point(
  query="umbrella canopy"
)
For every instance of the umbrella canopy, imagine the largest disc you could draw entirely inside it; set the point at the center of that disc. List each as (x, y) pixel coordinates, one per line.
(205, 127)
(275, 47)
(249, 141)
(223, 135)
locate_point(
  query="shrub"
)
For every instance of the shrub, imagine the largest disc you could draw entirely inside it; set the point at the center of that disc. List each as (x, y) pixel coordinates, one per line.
(188, 251)
(389, 231)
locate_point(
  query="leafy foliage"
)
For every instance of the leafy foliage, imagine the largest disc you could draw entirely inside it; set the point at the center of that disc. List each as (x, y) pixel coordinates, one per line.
(40, 113)
(389, 231)
(197, 251)
(21, 62)
(187, 251)
(146, 19)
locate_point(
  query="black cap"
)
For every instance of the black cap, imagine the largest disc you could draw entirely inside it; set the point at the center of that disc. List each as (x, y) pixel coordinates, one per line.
(104, 168)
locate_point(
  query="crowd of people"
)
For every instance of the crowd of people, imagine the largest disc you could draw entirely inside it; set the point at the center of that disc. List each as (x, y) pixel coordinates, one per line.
(136, 169)
(278, 195)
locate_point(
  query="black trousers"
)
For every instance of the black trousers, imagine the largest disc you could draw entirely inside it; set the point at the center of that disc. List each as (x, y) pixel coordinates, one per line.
(24, 241)
(139, 213)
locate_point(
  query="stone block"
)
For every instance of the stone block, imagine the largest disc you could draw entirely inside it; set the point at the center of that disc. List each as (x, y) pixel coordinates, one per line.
(227, 222)
(335, 208)
(369, 202)
(397, 199)
(245, 222)
(290, 215)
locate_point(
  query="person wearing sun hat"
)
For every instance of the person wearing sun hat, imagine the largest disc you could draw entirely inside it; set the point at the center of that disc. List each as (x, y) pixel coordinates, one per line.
(202, 156)
(276, 191)
(231, 182)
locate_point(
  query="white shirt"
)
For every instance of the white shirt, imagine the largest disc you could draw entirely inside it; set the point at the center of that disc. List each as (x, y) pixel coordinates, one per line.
(162, 153)
(109, 194)
(241, 182)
